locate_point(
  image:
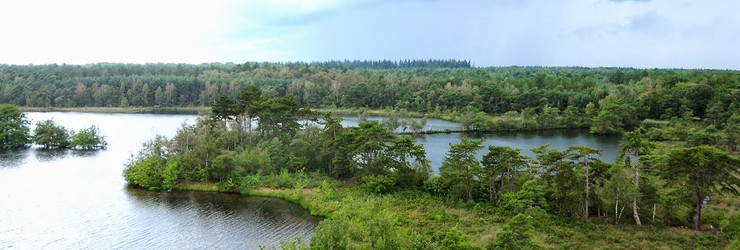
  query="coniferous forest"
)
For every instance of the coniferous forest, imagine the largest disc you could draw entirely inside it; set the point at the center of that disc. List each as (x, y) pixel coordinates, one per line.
(675, 183)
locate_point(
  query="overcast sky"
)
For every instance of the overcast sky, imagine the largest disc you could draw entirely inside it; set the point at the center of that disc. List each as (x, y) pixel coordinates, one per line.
(629, 33)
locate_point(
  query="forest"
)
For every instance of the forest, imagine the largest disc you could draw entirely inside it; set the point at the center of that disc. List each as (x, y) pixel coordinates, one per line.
(678, 165)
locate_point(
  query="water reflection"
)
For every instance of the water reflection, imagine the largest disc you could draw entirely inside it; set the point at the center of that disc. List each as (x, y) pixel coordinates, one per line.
(70, 199)
(238, 221)
(49, 155)
(86, 153)
(13, 157)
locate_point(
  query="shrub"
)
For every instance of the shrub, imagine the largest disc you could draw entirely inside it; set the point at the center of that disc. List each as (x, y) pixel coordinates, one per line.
(88, 138)
(50, 135)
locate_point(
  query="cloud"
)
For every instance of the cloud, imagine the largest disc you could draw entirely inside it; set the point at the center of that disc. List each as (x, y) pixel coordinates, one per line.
(636, 1)
(650, 23)
(502, 32)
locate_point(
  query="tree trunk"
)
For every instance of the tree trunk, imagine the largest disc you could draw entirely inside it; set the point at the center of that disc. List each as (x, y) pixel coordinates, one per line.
(491, 192)
(635, 214)
(697, 210)
(616, 212)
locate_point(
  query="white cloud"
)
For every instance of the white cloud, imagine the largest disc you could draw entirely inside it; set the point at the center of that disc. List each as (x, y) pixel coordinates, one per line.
(658, 33)
(85, 31)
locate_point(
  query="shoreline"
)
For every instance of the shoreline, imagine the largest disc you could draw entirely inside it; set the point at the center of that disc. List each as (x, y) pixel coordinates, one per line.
(282, 194)
(196, 110)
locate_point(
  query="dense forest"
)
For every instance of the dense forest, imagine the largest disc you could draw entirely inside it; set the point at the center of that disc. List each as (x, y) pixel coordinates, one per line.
(676, 169)
(434, 86)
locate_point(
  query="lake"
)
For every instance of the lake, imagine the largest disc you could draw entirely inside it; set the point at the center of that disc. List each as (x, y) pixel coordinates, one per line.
(64, 199)
(437, 145)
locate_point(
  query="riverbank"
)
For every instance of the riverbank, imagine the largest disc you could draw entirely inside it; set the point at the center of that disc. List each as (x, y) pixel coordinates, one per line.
(119, 110)
(418, 216)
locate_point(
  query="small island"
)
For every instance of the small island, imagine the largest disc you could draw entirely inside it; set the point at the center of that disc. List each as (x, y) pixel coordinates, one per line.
(14, 133)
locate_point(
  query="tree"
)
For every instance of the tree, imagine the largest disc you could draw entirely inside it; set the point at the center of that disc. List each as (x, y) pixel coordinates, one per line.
(246, 101)
(223, 109)
(366, 146)
(13, 127)
(124, 102)
(631, 147)
(88, 138)
(329, 135)
(279, 116)
(408, 161)
(50, 135)
(731, 137)
(565, 192)
(500, 165)
(460, 167)
(705, 171)
(583, 156)
(530, 199)
(617, 190)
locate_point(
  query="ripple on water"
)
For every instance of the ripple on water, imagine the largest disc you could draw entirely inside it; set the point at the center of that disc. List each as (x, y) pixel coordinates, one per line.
(62, 199)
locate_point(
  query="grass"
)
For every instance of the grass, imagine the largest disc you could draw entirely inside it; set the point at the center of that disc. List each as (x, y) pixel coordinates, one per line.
(433, 216)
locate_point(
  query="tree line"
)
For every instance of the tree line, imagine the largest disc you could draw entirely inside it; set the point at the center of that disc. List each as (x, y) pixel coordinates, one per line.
(609, 100)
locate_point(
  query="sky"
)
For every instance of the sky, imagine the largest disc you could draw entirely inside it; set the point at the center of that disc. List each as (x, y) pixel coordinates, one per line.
(593, 33)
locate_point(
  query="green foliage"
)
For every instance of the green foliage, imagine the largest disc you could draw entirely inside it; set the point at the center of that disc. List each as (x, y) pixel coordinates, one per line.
(460, 167)
(613, 117)
(618, 191)
(455, 239)
(50, 135)
(378, 184)
(170, 175)
(145, 173)
(500, 167)
(88, 138)
(530, 196)
(149, 169)
(13, 127)
(704, 170)
(366, 225)
(516, 234)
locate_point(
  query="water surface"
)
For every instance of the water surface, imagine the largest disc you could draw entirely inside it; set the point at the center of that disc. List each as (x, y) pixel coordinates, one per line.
(64, 199)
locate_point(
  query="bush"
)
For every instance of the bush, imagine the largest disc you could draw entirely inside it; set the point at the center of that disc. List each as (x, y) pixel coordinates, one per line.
(145, 173)
(50, 135)
(88, 138)
(515, 234)
(378, 184)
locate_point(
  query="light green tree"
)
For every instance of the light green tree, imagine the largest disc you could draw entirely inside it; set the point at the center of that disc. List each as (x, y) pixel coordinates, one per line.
(50, 135)
(88, 138)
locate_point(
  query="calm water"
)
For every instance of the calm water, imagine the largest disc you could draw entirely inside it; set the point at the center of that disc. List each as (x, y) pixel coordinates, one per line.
(78, 199)
(437, 145)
